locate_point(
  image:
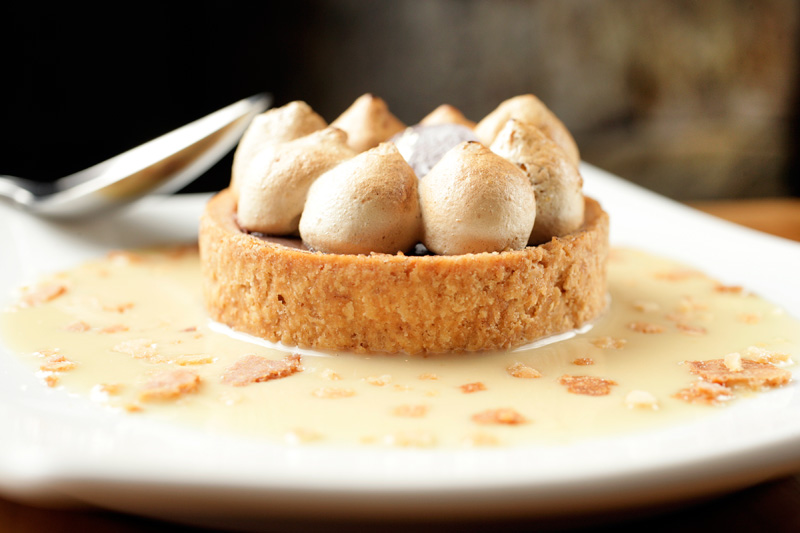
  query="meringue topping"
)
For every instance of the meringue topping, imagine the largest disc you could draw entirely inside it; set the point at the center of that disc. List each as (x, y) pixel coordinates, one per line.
(446, 114)
(368, 122)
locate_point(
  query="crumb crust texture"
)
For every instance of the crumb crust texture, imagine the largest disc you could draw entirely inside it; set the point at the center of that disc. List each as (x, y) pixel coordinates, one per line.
(398, 303)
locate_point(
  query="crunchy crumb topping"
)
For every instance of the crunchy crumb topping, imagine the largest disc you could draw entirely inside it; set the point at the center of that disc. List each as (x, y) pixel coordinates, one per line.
(379, 381)
(753, 375)
(587, 385)
(256, 369)
(583, 361)
(411, 411)
(333, 393)
(521, 370)
(43, 293)
(468, 388)
(80, 326)
(645, 327)
(504, 416)
(170, 384)
(641, 399)
(609, 342)
(701, 392)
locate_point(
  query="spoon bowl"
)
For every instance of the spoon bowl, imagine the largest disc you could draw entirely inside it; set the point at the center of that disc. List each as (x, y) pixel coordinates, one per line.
(163, 165)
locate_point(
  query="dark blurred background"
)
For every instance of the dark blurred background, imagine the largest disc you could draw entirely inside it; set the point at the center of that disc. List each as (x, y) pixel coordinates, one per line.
(693, 99)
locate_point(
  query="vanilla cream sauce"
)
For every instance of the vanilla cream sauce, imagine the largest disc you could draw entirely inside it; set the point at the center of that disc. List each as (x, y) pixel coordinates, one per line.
(123, 319)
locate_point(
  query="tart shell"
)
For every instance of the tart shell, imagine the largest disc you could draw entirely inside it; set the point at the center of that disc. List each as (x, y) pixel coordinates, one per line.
(278, 291)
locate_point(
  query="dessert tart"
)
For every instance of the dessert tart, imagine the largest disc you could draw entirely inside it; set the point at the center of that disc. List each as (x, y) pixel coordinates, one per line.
(357, 279)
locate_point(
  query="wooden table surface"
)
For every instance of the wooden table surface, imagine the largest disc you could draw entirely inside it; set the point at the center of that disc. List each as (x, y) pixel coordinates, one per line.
(773, 506)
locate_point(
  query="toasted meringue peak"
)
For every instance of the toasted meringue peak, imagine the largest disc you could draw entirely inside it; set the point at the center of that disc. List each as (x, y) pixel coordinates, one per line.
(528, 108)
(475, 201)
(367, 204)
(446, 114)
(275, 184)
(423, 146)
(555, 179)
(280, 124)
(368, 122)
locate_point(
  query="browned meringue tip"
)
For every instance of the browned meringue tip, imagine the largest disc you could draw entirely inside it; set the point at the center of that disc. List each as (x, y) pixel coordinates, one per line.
(275, 184)
(475, 201)
(368, 122)
(528, 108)
(556, 181)
(366, 204)
(446, 114)
(280, 124)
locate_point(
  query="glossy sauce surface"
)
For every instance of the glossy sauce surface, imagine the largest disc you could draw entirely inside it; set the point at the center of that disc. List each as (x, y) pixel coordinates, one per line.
(107, 329)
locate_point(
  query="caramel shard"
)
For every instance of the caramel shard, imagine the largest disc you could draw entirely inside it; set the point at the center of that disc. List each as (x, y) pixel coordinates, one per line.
(645, 327)
(587, 385)
(521, 370)
(704, 393)
(170, 384)
(57, 363)
(641, 399)
(79, 326)
(333, 393)
(504, 416)
(43, 294)
(411, 411)
(753, 375)
(255, 369)
(138, 348)
(472, 387)
(609, 342)
(583, 361)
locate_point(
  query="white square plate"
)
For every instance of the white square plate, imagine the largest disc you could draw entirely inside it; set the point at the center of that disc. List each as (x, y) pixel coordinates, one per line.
(58, 448)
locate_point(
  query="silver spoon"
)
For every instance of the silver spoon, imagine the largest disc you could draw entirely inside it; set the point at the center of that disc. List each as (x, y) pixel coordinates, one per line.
(162, 165)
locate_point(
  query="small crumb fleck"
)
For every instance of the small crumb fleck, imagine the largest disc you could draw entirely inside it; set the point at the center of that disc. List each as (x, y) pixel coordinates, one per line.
(689, 329)
(190, 329)
(333, 393)
(504, 416)
(763, 355)
(679, 274)
(749, 318)
(729, 289)
(641, 399)
(428, 377)
(609, 342)
(479, 440)
(132, 407)
(51, 380)
(188, 360)
(733, 361)
(112, 389)
(583, 361)
(753, 375)
(116, 328)
(138, 348)
(645, 327)
(410, 411)
(43, 294)
(330, 375)
(646, 307)
(56, 363)
(521, 370)
(412, 439)
(302, 436)
(79, 326)
(119, 308)
(468, 388)
(587, 385)
(379, 381)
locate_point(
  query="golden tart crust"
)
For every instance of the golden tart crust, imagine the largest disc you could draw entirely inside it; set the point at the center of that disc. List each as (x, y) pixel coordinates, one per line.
(398, 303)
